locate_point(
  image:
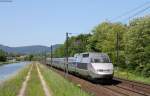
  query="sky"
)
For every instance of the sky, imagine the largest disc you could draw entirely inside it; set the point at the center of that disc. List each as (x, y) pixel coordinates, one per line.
(45, 22)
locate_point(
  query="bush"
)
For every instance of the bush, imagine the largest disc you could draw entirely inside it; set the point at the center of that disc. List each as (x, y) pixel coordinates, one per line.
(3, 56)
(138, 70)
(146, 71)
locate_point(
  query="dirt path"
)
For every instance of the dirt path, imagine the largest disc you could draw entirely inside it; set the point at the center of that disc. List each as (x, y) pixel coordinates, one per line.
(24, 85)
(45, 87)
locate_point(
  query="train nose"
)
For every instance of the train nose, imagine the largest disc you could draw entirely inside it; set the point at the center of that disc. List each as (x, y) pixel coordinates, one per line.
(103, 68)
(104, 71)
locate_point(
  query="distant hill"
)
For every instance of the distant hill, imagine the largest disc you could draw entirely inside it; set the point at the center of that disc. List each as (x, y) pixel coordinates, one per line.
(28, 49)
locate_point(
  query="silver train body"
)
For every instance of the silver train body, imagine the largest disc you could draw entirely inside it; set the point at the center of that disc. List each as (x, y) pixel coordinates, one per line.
(90, 65)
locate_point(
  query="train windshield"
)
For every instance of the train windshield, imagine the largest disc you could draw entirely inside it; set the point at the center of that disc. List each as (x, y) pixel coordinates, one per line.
(102, 59)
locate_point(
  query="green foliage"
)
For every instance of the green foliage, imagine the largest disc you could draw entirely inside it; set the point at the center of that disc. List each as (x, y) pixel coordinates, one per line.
(146, 71)
(76, 44)
(29, 57)
(138, 43)
(3, 56)
(127, 74)
(104, 38)
(59, 52)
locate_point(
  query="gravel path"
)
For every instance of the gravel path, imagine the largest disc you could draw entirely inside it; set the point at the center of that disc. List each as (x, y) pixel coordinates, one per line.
(45, 87)
(24, 85)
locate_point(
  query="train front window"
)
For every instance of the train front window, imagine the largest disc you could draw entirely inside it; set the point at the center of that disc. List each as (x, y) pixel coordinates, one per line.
(100, 60)
(97, 60)
(105, 59)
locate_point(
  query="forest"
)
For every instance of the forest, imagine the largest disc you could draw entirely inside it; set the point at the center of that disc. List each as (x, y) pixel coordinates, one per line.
(130, 41)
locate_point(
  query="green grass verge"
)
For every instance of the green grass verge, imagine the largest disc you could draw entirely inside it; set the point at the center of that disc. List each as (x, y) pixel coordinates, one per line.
(60, 86)
(12, 86)
(131, 76)
(34, 87)
(2, 63)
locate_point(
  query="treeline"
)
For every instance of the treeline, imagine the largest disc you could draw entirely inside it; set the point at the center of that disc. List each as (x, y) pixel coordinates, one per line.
(133, 44)
(5, 56)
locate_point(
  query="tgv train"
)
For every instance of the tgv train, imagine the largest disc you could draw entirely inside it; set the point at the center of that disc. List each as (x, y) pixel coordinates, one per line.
(90, 65)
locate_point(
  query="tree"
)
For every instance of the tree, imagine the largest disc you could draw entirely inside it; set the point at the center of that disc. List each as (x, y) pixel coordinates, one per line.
(59, 52)
(138, 43)
(76, 44)
(3, 55)
(104, 38)
(29, 57)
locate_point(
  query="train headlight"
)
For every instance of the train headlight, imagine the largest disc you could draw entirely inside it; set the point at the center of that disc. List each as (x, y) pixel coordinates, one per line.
(103, 70)
(100, 70)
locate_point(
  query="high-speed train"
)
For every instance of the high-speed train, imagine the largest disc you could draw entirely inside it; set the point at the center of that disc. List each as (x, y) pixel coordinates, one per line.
(90, 65)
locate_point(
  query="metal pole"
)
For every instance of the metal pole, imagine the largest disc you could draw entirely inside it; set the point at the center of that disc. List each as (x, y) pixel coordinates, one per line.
(51, 55)
(117, 45)
(117, 48)
(45, 57)
(67, 37)
(126, 57)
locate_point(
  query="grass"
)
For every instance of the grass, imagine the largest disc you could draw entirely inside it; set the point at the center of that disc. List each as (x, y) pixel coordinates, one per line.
(131, 76)
(8, 62)
(12, 86)
(60, 86)
(34, 87)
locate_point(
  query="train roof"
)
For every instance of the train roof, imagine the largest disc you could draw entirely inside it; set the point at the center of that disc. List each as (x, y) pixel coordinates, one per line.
(90, 53)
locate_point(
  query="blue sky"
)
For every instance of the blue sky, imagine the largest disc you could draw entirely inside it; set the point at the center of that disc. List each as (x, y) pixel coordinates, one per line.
(44, 22)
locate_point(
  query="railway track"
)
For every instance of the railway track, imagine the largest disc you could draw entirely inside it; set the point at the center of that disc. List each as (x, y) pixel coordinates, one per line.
(118, 87)
(134, 86)
(125, 91)
(133, 82)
